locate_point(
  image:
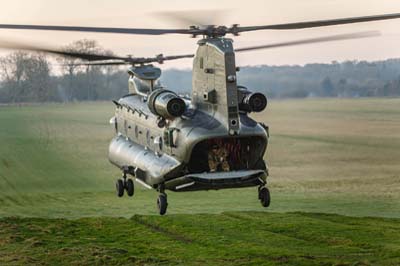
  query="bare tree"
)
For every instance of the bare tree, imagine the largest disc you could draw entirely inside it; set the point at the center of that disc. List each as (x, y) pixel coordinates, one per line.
(38, 76)
(71, 66)
(13, 69)
(26, 77)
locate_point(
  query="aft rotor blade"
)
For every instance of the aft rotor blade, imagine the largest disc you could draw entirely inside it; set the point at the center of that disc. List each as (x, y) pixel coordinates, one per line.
(312, 40)
(199, 18)
(319, 23)
(214, 31)
(96, 29)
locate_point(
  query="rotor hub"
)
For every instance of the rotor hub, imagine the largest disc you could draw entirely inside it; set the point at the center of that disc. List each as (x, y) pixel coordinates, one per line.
(214, 31)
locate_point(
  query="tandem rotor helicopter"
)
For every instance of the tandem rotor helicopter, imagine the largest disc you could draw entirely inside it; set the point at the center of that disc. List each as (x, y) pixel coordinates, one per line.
(208, 141)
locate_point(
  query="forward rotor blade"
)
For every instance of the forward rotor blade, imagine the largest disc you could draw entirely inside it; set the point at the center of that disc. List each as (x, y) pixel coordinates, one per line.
(332, 38)
(96, 29)
(319, 23)
(157, 59)
(79, 55)
(174, 57)
(117, 60)
(102, 64)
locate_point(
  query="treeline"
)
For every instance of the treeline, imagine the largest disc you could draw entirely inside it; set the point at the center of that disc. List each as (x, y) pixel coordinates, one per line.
(347, 79)
(28, 77)
(31, 77)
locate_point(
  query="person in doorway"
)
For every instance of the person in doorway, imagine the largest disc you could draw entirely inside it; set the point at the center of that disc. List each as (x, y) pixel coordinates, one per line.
(218, 159)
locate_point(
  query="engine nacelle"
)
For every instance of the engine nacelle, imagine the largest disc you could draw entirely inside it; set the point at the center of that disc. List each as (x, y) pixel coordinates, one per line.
(251, 102)
(166, 104)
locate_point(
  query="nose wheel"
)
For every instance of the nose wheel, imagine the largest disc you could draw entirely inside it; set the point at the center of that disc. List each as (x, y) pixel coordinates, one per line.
(130, 187)
(264, 196)
(119, 186)
(125, 184)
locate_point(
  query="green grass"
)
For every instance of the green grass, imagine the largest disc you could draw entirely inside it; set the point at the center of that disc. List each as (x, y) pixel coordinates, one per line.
(328, 155)
(234, 238)
(325, 156)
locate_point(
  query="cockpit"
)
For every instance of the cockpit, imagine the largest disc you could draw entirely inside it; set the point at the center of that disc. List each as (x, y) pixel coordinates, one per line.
(144, 79)
(145, 87)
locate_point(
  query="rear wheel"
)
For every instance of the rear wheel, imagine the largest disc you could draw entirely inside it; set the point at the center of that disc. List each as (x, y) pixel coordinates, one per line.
(259, 192)
(264, 196)
(162, 204)
(119, 186)
(130, 187)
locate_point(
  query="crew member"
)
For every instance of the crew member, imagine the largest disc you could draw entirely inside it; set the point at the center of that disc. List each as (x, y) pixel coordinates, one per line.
(218, 158)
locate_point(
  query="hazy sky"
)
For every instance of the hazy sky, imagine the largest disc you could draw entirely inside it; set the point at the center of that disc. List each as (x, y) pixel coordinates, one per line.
(132, 13)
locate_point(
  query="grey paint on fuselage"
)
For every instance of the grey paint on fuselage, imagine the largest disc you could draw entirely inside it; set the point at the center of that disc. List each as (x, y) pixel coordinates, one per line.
(157, 155)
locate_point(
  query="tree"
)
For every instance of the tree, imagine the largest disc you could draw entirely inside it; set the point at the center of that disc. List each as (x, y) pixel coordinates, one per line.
(82, 80)
(327, 87)
(37, 71)
(26, 77)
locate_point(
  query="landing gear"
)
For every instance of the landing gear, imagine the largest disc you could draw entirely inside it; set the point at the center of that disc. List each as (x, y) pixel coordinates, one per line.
(264, 196)
(162, 202)
(123, 184)
(119, 185)
(130, 187)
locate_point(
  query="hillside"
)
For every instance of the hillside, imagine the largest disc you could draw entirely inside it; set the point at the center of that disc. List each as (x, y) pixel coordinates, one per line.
(58, 205)
(330, 156)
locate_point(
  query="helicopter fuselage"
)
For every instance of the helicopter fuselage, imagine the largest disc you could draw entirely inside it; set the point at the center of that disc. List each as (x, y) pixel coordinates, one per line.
(213, 144)
(178, 154)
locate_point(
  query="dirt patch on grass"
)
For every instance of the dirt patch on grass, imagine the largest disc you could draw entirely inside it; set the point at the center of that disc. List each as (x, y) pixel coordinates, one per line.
(159, 229)
(6, 163)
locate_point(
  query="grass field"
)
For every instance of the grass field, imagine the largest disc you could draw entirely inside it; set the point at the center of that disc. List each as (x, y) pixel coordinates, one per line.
(336, 156)
(234, 238)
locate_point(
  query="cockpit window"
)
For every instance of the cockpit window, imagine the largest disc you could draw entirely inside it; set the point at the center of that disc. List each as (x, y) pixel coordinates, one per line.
(142, 86)
(145, 87)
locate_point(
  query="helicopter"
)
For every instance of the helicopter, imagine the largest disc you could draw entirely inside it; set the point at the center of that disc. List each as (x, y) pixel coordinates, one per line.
(208, 141)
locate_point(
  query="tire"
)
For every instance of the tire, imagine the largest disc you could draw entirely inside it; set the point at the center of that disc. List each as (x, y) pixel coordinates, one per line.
(130, 187)
(119, 186)
(162, 204)
(259, 192)
(265, 197)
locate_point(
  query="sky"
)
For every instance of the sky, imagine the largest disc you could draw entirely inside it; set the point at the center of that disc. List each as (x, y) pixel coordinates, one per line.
(146, 14)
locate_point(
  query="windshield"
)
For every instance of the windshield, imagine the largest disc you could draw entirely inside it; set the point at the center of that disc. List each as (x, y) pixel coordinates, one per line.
(142, 86)
(146, 86)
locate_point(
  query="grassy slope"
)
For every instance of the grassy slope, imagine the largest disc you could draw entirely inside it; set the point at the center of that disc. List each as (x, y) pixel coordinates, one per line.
(338, 156)
(235, 238)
